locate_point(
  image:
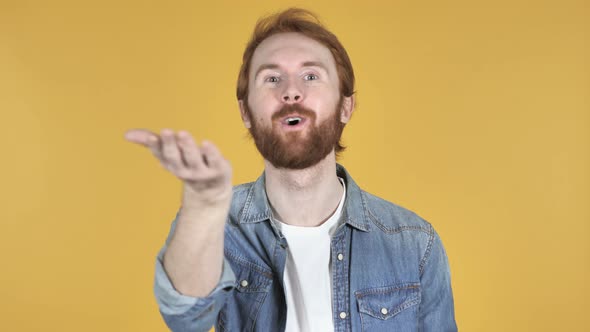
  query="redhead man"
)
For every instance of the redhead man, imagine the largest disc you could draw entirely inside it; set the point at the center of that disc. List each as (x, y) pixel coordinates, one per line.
(302, 248)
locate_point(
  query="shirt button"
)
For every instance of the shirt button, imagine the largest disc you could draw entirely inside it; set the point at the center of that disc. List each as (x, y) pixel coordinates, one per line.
(384, 311)
(342, 315)
(340, 257)
(244, 283)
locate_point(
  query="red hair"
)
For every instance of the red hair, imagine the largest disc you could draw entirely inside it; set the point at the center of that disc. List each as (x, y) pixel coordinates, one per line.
(306, 23)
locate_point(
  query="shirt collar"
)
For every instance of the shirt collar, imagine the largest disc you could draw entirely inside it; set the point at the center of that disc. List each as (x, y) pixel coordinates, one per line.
(354, 211)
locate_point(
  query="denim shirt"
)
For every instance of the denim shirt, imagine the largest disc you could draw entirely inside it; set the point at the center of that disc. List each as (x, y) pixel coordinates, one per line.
(389, 271)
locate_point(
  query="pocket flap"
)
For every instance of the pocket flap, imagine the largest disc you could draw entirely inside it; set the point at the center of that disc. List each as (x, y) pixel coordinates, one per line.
(251, 278)
(386, 302)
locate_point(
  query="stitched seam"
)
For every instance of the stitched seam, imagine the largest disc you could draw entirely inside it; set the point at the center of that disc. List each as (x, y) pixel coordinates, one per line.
(364, 202)
(398, 229)
(409, 303)
(362, 321)
(260, 300)
(246, 263)
(246, 207)
(221, 320)
(414, 300)
(428, 250)
(385, 290)
(258, 217)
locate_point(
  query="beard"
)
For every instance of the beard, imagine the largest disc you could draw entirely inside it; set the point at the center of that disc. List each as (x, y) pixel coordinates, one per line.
(302, 148)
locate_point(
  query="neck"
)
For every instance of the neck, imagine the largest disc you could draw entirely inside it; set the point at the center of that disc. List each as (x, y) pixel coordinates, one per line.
(306, 197)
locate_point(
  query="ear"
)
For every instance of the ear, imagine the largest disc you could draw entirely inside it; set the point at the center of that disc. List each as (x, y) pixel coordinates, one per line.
(244, 114)
(347, 109)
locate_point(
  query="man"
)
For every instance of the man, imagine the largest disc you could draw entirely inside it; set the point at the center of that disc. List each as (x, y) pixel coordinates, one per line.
(303, 248)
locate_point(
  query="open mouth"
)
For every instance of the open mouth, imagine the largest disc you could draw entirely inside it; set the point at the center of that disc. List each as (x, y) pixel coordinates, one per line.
(293, 120)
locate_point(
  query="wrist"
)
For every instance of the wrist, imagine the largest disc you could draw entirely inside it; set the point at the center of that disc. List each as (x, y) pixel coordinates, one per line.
(209, 199)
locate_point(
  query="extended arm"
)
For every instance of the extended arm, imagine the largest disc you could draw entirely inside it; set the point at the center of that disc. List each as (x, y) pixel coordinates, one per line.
(189, 284)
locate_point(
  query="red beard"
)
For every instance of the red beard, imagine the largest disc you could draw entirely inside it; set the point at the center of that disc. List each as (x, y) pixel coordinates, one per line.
(297, 149)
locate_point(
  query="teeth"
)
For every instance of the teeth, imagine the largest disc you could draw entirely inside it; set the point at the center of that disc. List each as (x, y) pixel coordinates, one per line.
(293, 120)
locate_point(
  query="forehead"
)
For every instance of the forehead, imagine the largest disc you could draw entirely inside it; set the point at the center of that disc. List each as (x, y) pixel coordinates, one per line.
(291, 48)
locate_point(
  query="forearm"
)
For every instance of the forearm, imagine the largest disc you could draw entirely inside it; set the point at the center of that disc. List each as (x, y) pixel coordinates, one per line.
(194, 257)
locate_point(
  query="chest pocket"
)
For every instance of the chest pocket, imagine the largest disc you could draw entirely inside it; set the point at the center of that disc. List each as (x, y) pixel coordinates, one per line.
(392, 308)
(253, 282)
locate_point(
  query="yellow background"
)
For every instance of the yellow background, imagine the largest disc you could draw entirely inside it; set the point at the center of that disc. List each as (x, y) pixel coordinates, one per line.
(474, 114)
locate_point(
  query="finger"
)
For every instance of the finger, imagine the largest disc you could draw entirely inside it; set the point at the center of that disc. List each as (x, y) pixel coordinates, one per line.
(170, 152)
(146, 138)
(189, 151)
(155, 145)
(213, 157)
(139, 136)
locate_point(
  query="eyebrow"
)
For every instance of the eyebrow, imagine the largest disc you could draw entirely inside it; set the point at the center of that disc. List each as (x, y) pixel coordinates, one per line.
(305, 64)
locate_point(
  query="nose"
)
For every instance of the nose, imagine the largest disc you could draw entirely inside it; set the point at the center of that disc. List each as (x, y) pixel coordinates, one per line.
(291, 98)
(292, 93)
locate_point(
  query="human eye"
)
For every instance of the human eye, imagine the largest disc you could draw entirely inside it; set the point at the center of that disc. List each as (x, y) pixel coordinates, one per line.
(310, 77)
(272, 79)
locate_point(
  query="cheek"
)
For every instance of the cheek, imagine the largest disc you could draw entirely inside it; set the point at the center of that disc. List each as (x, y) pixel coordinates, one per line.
(261, 98)
(325, 103)
(260, 108)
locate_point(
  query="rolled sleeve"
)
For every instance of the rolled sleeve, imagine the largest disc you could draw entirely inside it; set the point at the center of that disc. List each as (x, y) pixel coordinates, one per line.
(172, 302)
(187, 313)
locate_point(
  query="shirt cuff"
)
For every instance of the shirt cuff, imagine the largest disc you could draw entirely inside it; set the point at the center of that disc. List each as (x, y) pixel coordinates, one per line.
(171, 302)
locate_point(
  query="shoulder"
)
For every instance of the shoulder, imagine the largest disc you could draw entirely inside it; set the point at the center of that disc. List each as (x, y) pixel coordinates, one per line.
(392, 218)
(402, 229)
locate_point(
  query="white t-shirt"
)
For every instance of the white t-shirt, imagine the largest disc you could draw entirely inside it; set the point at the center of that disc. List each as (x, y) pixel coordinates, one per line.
(308, 275)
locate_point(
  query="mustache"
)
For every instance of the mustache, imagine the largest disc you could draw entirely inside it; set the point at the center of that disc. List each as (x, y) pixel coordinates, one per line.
(291, 109)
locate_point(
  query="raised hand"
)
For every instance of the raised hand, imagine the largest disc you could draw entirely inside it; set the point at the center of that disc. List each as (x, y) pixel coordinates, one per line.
(206, 175)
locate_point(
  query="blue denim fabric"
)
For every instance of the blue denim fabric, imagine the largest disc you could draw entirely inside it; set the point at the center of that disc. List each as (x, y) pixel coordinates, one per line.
(393, 275)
